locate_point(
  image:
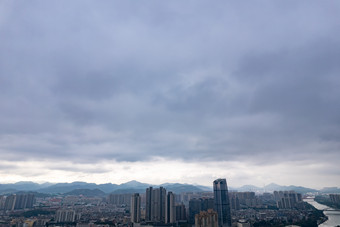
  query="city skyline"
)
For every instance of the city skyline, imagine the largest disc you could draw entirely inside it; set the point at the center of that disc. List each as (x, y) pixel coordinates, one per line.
(170, 91)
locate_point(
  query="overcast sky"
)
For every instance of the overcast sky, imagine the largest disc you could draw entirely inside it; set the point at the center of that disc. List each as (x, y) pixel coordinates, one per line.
(170, 91)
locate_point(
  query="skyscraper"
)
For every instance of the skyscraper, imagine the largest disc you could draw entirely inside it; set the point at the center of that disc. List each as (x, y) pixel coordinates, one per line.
(148, 207)
(155, 204)
(221, 202)
(135, 208)
(181, 212)
(170, 208)
(10, 202)
(198, 205)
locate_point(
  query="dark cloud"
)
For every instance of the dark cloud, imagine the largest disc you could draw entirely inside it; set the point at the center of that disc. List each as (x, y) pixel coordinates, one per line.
(194, 81)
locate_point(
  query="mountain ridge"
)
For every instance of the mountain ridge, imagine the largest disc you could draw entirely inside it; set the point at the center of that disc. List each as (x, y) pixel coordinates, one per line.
(138, 187)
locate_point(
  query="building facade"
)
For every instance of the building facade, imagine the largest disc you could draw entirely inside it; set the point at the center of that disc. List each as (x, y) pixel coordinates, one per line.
(155, 204)
(170, 208)
(287, 199)
(206, 219)
(197, 205)
(222, 203)
(135, 208)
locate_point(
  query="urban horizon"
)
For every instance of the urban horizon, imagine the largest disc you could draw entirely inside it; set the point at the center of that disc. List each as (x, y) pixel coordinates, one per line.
(132, 183)
(162, 206)
(100, 100)
(170, 91)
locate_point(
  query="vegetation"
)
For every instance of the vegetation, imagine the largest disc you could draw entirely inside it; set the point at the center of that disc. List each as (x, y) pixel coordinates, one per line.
(311, 220)
(34, 213)
(325, 200)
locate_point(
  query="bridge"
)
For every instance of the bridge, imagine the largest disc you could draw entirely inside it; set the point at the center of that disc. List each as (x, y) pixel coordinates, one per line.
(331, 209)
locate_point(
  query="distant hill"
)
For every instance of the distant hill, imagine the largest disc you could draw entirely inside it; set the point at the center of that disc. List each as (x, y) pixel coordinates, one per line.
(36, 194)
(179, 188)
(108, 187)
(7, 191)
(67, 187)
(139, 187)
(22, 186)
(299, 189)
(204, 188)
(128, 191)
(330, 190)
(87, 192)
(133, 184)
(249, 188)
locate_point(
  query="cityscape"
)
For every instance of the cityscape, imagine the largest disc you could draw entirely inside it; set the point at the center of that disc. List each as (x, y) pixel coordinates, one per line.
(155, 206)
(169, 113)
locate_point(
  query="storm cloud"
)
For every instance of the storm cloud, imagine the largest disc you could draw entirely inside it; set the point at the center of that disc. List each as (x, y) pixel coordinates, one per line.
(190, 81)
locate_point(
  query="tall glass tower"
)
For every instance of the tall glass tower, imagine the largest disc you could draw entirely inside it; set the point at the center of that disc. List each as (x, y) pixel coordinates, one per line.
(221, 202)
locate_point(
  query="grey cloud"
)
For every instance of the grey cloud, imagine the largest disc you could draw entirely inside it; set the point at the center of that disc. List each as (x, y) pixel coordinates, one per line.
(192, 81)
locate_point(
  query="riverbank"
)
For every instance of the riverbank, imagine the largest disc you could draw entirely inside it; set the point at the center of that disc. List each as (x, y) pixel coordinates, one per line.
(322, 220)
(333, 216)
(320, 207)
(326, 201)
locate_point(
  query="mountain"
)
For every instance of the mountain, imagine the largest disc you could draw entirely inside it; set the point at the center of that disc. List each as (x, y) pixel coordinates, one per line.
(179, 188)
(139, 187)
(330, 190)
(133, 184)
(8, 191)
(66, 187)
(204, 188)
(23, 185)
(87, 192)
(130, 187)
(273, 187)
(108, 187)
(299, 189)
(36, 194)
(129, 190)
(249, 188)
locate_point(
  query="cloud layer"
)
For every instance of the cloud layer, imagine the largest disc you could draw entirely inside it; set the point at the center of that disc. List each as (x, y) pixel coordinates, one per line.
(190, 81)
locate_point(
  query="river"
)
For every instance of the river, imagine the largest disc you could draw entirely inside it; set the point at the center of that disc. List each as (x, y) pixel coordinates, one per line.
(333, 216)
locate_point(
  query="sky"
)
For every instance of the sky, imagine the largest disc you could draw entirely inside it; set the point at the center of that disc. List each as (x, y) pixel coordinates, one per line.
(170, 91)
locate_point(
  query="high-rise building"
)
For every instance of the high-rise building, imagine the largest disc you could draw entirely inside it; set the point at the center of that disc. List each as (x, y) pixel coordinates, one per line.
(243, 199)
(135, 208)
(2, 202)
(120, 199)
(206, 219)
(170, 208)
(23, 201)
(195, 206)
(181, 212)
(155, 204)
(221, 202)
(198, 205)
(10, 202)
(234, 201)
(66, 215)
(148, 202)
(287, 199)
(335, 198)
